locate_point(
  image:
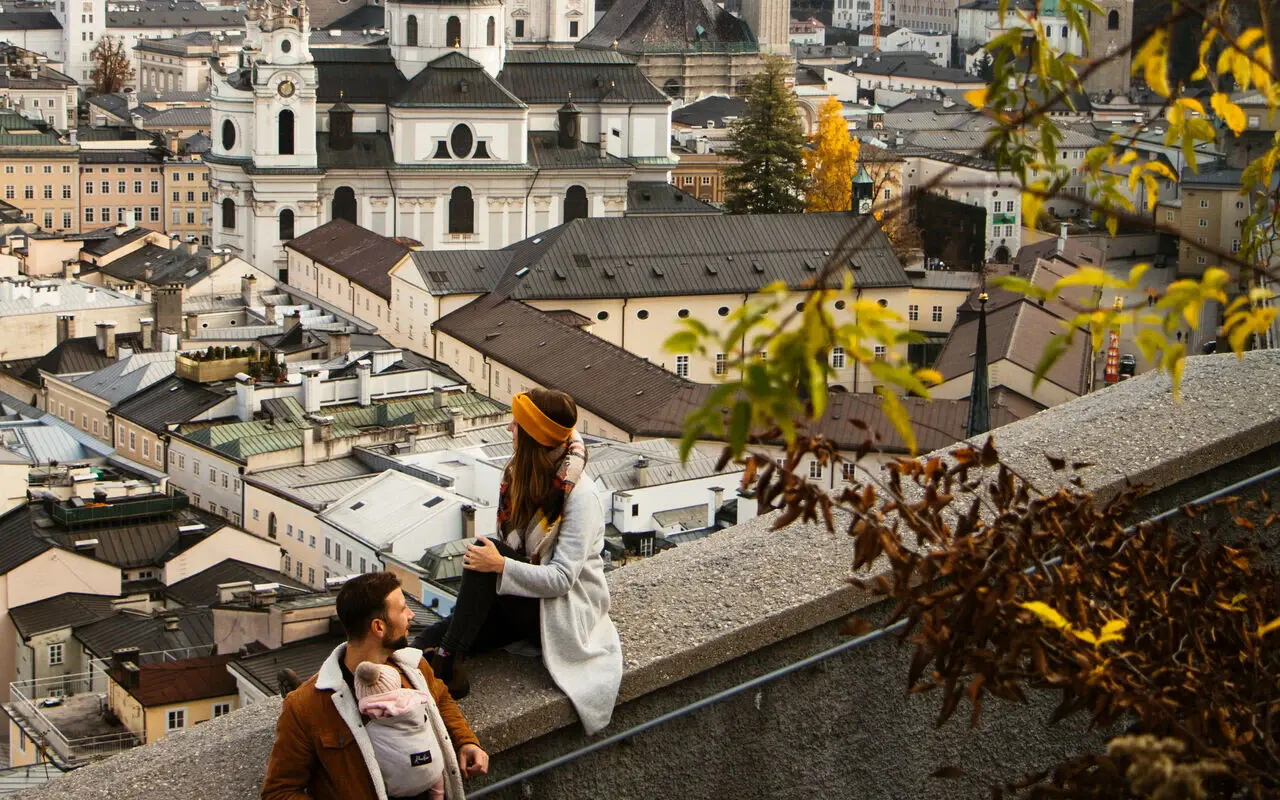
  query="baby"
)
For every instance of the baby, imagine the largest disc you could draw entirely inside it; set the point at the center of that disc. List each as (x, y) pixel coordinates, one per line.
(406, 746)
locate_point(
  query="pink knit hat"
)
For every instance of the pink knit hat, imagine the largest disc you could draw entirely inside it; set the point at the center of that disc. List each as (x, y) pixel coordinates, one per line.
(374, 679)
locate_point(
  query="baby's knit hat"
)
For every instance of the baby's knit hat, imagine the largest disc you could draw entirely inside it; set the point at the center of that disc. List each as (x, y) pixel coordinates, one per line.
(374, 678)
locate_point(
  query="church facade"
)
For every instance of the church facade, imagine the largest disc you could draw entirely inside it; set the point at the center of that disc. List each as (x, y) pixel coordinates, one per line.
(444, 135)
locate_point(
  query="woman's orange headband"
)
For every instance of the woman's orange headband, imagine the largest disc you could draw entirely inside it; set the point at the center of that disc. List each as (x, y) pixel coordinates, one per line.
(544, 430)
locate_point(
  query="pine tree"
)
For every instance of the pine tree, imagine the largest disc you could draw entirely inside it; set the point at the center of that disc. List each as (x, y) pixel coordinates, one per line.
(986, 67)
(111, 68)
(831, 162)
(768, 144)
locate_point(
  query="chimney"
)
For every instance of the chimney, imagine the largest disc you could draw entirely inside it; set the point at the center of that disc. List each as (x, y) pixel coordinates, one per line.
(106, 332)
(642, 472)
(309, 437)
(146, 330)
(271, 314)
(249, 291)
(339, 344)
(947, 102)
(383, 359)
(244, 397)
(148, 274)
(87, 547)
(311, 391)
(364, 380)
(130, 99)
(468, 522)
(73, 136)
(715, 499)
(1062, 238)
(66, 327)
(456, 422)
(228, 591)
(168, 341)
(172, 624)
(168, 302)
(748, 507)
(193, 326)
(570, 137)
(69, 270)
(193, 245)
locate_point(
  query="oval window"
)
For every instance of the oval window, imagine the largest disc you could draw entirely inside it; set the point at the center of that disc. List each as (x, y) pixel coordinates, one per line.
(683, 313)
(228, 134)
(286, 46)
(602, 316)
(461, 141)
(642, 314)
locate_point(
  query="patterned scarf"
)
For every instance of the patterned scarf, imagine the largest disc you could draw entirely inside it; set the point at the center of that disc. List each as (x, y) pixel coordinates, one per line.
(539, 535)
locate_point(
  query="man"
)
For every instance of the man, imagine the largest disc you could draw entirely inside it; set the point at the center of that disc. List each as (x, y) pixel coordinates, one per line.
(322, 751)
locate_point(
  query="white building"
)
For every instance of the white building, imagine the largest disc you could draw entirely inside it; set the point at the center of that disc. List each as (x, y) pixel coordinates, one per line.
(974, 181)
(543, 23)
(857, 14)
(444, 136)
(905, 40)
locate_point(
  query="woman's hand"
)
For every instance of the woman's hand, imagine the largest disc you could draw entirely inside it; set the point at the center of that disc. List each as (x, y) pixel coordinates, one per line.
(483, 557)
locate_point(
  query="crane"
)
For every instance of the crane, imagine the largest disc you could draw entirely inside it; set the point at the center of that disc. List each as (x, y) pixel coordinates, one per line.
(875, 26)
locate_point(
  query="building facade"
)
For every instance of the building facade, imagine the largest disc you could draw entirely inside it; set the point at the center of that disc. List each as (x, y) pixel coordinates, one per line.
(186, 211)
(39, 174)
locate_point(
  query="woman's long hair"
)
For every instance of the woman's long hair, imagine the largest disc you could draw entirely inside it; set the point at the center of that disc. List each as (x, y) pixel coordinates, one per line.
(531, 472)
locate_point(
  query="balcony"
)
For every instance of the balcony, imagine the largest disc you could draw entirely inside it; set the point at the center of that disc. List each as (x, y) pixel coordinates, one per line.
(77, 514)
(68, 719)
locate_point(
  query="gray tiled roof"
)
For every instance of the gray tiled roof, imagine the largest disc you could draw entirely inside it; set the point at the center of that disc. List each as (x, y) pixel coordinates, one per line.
(159, 14)
(177, 265)
(63, 611)
(355, 253)
(360, 74)
(18, 544)
(29, 21)
(717, 109)
(78, 355)
(456, 81)
(893, 66)
(148, 633)
(180, 117)
(304, 658)
(127, 376)
(201, 589)
(546, 153)
(664, 198)
(170, 401)
(551, 82)
(641, 25)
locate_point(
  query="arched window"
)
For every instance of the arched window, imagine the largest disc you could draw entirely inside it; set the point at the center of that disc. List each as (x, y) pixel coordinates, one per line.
(575, 204)
(411, 31)
(461, 211)
(344, 205)
(491, 35)
(286, 132)
(286, 225)
(1113, 20)
(229, 214)
(671, 87)
(271, 524)
(228, 134)
(461, 140)
(453, 32)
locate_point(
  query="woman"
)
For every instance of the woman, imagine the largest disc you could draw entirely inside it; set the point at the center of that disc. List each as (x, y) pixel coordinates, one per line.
(543, 580)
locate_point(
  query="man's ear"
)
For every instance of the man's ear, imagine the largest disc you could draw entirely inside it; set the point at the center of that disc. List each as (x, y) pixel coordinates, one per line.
(378, 627)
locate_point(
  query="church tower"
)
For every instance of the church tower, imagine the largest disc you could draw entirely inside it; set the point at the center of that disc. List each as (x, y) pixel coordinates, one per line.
(770, 21)
(421, 32)
(284, 84)
(1109, 33)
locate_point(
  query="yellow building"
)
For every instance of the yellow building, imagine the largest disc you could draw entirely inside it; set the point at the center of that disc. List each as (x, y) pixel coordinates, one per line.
(186, 198)
(154, 700)
(39, 173)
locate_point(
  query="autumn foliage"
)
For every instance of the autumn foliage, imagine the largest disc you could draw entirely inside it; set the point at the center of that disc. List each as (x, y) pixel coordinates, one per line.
(112, 71)
(832, 161)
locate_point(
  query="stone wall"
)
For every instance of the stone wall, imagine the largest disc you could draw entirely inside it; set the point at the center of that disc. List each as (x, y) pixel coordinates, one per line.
(711, 614)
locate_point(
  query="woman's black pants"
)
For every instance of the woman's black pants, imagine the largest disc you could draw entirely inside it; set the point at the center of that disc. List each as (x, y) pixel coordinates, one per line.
(483, 620)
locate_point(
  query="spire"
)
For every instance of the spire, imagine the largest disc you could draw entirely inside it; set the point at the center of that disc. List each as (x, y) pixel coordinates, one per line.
(980, 395)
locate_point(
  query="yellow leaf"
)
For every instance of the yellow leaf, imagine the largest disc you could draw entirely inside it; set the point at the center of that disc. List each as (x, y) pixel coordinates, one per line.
(930, 376)
(1085, 636)
(1248, 38)
(898, 417)
(1191, 104)
(976, 97)
(1269, 627)
(1046, 614)
(1128, 157)
(1228, 112)
(1159, 168)
(1154, 60)
(1114, 627)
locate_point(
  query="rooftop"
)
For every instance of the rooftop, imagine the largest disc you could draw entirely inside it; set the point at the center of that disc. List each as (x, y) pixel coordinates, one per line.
(391, 507)
(667, 26)
(169, 401)
(355, 253)
(201, 589)
(62, 611)
(50, 295)
(179, 629)
(181, 681)
(127, 376)
(664, 199)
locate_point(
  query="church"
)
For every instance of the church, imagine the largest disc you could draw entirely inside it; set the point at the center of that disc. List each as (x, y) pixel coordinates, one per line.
(444, 135)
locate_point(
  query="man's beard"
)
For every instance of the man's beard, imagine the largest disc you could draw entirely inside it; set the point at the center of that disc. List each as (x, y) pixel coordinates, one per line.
(398, 643)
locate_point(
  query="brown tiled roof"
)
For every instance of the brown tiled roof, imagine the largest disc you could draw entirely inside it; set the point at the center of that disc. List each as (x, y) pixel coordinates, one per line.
(353, 252)
(1018, 332)
(1075, 252)
(181, 681)
(641, 398)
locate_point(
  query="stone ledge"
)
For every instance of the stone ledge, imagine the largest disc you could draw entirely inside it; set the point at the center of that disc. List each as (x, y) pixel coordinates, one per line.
(704, 604)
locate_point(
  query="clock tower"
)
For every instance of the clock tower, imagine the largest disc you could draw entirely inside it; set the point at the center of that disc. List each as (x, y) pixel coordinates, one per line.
(284, 84)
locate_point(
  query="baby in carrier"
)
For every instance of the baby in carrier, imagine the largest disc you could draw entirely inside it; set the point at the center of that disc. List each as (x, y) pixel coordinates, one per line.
(406, 745)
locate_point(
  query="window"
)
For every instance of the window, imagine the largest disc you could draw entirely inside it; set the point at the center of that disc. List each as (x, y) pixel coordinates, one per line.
(411, 31)
(286, 225)
(344, 205)
(221, 709)
(575, 204)
(363, 567)
(490, 38)
(95, 427)
(285, 126)
(106, 214)
(228, 134)
(225, 481)
(299, 570)
(9, 192)
(48, 220)
(106, 187)
(326, 547)
(229, 214)
(255, 513)
(913, 313)
(1200, 259)
(137, 187)
(48, 191)
(177, 197)
(573, 29)
(837, 358)
(461, 210)
(453, 32)
(312, 542)
(846, 471)
(133, 440)
(176, 720)
(55, 654)
(1204, 223)
(682, 366)
(155, 188)
(182, 462)
(337, 552)
(881, 353)
(721, 363)
(815, 469)
(1008, 207)
(348, 558)
(29, 192)
(1113, 20)
(155, 214)
(461, 141)
(311, 575)
(1235, 245)
(122, 187)
(288, 564)
(1168, 216)
(146, 448)
(937, 313)
(1204, 203)
(519, 29)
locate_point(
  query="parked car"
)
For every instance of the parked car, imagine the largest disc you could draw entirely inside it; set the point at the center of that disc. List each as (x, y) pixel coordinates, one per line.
(1128, 365)
(1209, 348)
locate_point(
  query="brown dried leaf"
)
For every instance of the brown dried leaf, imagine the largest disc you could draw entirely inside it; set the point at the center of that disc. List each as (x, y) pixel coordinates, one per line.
(948, 773)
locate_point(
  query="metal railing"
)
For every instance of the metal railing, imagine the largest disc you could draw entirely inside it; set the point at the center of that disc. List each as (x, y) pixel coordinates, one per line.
(559, 761)
(27, 699)
(104, 665)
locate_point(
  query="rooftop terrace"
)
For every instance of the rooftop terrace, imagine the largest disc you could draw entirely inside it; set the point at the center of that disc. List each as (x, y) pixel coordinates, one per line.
(714, 613)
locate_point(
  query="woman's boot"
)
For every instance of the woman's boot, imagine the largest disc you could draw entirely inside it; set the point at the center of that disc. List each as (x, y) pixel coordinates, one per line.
(448, 668)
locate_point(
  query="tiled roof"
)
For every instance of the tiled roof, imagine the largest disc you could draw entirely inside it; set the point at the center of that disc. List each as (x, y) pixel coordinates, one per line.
(355, 253)
(304, 658)
(102, 241)
(937, 423)
(127, 376)
(142, 543)
(716, 108)
(1074, 251)
(670, 25)
(166, 15)
(892, 66)
(369, 16)
(543, 55)
(80, 355)
(360, 74)
(180, 117)
(18, 544)
(122, 156)
(314, 485)
(63, 611)
(547, 82)
(201, 589)
(29, 21)
(454, 80)
(148, 633)
(181, 681)
(167, 402)
(664, 198)
(176, 265)
(368, 151)
(46, 78)
(545, 152)
(622, 388)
